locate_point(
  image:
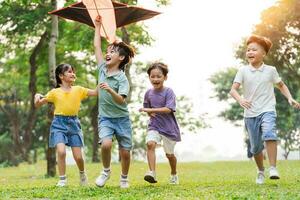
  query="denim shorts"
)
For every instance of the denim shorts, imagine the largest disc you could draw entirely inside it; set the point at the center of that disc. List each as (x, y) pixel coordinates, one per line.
(118, 127)
(67, 130)
(261, 128)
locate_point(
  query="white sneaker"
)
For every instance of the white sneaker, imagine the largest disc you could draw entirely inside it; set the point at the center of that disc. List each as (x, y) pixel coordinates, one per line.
(174, 179)
(260, 179)
(101, 180)
(273, 173)
(150, 177)
(124, 183)
(83, 179)
(61, 183)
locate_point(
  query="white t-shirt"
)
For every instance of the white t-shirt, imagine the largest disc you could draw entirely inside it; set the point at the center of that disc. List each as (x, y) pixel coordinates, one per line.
(258, 88)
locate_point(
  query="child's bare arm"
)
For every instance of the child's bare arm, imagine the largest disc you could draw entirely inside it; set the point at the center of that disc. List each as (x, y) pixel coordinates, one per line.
(156, 110)
(39, 100)
(234, 93)
(97, 40)
(93, 92)
(286, 92)
(119, 99)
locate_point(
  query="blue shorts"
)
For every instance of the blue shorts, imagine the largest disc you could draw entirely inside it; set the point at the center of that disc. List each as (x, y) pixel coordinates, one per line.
(261, 128)
(67, 130)
(118, 127)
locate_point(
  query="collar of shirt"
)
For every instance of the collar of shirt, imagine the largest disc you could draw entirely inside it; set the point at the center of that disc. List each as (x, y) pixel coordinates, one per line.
(111, 74)
(261, 68)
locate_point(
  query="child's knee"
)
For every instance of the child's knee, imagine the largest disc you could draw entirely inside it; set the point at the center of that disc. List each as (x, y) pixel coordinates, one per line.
(78, 157)
(256, 149)
(170, 156)
(61, 153)
(151, 145)
(125, 154)
(106, 145)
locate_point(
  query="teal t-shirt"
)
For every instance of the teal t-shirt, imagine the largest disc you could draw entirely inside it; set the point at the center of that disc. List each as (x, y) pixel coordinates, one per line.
(119, 83)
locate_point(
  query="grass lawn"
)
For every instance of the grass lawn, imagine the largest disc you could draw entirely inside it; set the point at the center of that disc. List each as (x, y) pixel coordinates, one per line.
(215, 180)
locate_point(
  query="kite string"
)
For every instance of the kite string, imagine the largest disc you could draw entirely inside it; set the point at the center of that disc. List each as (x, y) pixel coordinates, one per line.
(114, 8)
(102, 23)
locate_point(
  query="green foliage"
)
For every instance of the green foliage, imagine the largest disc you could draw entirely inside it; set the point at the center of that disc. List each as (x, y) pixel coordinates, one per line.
(214, 180)
(222, 81)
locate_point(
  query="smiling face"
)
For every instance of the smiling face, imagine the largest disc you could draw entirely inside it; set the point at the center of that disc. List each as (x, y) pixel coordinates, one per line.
(157, 78)
(255, 54)
(68, 76)
(113, 57)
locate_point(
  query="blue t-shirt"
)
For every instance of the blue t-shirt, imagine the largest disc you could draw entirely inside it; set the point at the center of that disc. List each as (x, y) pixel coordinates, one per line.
(164, 123)
(119, 83)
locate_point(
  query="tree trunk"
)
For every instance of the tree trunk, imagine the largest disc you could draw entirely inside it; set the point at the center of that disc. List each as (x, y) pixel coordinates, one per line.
(31, 118)
(51, 157)
(94, 117)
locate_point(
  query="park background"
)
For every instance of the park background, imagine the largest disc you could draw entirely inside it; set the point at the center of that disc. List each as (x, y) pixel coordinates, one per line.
(203, 43)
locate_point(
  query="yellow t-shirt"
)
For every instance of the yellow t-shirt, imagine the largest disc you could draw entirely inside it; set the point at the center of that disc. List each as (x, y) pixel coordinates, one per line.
(67, 103)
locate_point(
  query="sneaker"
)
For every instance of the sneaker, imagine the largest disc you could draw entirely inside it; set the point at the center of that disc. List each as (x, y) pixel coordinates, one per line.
(273, 173)
(61, 183)
(150, 177)
(174, 179)
(101, 180)
(83, 179)
(260, 179)
(124, 183)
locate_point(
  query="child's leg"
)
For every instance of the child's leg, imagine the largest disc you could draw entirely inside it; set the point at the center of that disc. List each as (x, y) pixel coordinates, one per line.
(271, 147)
(77, 154)
(173, 162)
(106, 146)
(259, 159)
(61, 158)
(253, 128)
(125, 161)
(269, 136)
(151, 157)
(169, 146)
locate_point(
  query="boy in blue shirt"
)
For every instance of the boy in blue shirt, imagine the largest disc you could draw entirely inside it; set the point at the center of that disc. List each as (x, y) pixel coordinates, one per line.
(113, 112)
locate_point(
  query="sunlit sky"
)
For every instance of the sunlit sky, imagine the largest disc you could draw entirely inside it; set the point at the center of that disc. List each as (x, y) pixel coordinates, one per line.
(197, 38)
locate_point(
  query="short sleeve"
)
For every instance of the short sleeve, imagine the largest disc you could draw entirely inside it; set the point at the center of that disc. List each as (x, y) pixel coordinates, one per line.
(123, 86)
(275, 76)
(83, 92)
(50, 96)
(101, 65)
(239, 76)
(171, 100)
(146, 103)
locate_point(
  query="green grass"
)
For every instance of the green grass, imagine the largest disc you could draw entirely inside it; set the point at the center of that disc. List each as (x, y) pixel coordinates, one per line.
(216, 180)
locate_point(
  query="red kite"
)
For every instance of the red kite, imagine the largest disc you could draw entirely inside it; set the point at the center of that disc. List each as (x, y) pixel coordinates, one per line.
(114, 14)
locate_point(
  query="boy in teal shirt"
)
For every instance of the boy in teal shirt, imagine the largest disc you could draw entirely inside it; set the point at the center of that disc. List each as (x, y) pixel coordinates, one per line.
(113, 112)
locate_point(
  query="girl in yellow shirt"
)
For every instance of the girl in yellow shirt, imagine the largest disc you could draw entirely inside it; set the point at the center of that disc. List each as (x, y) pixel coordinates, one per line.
(65, 128)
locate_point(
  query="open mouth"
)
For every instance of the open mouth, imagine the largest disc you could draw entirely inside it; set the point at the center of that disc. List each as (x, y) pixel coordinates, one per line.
(108, 59)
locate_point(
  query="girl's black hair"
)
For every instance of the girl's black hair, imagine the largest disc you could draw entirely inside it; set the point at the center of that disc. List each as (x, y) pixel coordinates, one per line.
(124, 50)
(61, 69)
(158, 65)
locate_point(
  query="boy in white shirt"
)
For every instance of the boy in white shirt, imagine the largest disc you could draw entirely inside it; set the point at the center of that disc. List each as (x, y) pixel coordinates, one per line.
(259, 102)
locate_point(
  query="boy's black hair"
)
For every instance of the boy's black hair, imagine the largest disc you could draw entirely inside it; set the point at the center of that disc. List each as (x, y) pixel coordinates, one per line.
(61, 69)
(158, 65)
(124, 50)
